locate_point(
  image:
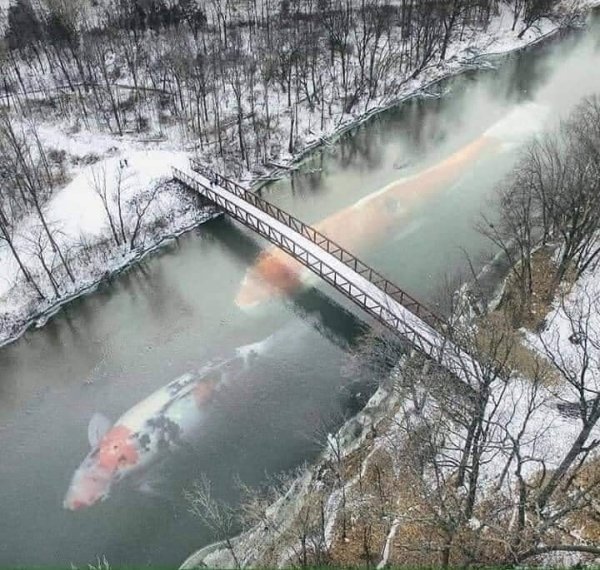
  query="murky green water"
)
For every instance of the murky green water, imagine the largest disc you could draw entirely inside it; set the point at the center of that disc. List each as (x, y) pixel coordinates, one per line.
(176, 311)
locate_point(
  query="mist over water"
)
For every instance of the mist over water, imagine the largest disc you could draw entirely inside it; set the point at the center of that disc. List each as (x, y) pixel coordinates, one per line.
(176, 312)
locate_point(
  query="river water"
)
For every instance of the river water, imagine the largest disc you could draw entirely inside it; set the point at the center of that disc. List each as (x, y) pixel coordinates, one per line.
(177, 310)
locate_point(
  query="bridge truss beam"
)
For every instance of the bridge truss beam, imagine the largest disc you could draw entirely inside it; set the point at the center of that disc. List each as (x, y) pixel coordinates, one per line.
(378, 297)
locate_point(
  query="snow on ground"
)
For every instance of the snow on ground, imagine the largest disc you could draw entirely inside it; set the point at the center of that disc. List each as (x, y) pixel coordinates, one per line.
(572, 334)
(77, 211)
(499, 37)
(78, 208)
(77, 215)
(470, 49)
(518, 411)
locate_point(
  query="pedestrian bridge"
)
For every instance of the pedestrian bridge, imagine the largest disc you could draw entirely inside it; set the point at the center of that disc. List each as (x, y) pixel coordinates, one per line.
(388, 304)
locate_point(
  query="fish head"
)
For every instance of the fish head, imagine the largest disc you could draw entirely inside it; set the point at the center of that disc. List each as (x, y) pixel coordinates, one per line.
(275, 274)
(116, 454)
(90, 484)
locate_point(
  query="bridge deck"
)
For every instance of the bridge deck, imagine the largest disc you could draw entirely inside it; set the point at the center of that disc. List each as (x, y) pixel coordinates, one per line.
(354, 285)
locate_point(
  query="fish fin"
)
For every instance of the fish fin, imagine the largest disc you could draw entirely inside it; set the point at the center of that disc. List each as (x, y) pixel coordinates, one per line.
(251, 351)
(98, 426)
(154, 487)
(147, 488)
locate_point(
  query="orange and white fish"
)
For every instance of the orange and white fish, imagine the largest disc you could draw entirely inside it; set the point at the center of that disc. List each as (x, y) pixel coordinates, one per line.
(141, 437)
(276, 273)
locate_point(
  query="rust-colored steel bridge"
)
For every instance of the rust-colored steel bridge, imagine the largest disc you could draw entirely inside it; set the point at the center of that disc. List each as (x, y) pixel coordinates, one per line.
(381, 299)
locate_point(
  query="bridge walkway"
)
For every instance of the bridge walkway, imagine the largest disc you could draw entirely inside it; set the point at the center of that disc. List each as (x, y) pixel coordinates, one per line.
(378, 297)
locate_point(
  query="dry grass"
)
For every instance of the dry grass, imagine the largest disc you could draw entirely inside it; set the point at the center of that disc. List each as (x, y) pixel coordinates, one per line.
(368, 500)
(375, 498)
(496, 328)
(506, 320)
(544, 291)
(587, 520)
(420, 538)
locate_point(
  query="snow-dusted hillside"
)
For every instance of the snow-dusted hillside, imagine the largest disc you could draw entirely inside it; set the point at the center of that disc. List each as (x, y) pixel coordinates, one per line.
(136, 177)
(143, 157)
(387, 486)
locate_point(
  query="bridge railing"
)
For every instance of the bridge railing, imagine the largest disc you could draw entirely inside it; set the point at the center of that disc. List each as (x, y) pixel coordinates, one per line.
(380, 311)
(325, 243)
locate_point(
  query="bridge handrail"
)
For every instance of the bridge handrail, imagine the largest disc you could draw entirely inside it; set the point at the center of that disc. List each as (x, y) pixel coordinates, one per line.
(374, 308)
(320, 239)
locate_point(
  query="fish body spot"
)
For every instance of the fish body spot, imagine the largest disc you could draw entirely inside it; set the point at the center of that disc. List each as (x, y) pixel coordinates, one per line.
(117, 448)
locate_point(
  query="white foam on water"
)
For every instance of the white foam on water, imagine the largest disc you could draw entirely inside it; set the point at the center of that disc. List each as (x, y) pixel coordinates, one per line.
(520, 123)
(391, 186)
(257, 348)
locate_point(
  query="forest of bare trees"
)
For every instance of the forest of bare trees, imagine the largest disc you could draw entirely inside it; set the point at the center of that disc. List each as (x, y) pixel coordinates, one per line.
(243, 83)
(227, 73)
(240, 82)
(500, 472)
(504, 470)
(551, 202)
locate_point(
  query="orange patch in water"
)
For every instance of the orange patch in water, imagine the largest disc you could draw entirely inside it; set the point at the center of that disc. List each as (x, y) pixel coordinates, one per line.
(275, 273)
(204, 392)
(117, 449)
(281, 271)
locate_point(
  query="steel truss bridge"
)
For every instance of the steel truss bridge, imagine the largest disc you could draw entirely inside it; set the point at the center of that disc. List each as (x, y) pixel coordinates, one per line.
(378, 297)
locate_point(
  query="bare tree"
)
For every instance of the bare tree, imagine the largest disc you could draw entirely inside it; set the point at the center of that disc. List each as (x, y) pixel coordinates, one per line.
(217, 516)
(515, 231)
(552, 198)
(30, 176)
(7, 236)
(579, 366)
(102, 189)
(533, 12)
(478, 458)
(40, 248)
(140, 204)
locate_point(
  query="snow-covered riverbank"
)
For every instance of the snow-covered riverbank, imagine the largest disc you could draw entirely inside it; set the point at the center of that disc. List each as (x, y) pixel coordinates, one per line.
(360, 498)
(148, 199)
(136, 173)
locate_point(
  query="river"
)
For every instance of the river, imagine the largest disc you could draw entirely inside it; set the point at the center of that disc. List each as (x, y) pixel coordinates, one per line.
(176, 311)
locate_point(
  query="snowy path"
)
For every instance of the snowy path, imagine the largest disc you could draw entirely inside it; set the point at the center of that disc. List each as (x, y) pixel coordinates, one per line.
(353, 285)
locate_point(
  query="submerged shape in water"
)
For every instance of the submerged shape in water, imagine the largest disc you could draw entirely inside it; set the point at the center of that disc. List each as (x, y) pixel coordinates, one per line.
(375, 215)
(141, 437)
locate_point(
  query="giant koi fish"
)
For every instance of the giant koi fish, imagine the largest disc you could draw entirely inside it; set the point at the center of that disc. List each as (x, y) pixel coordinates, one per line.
(141, 437)
(275, 272)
